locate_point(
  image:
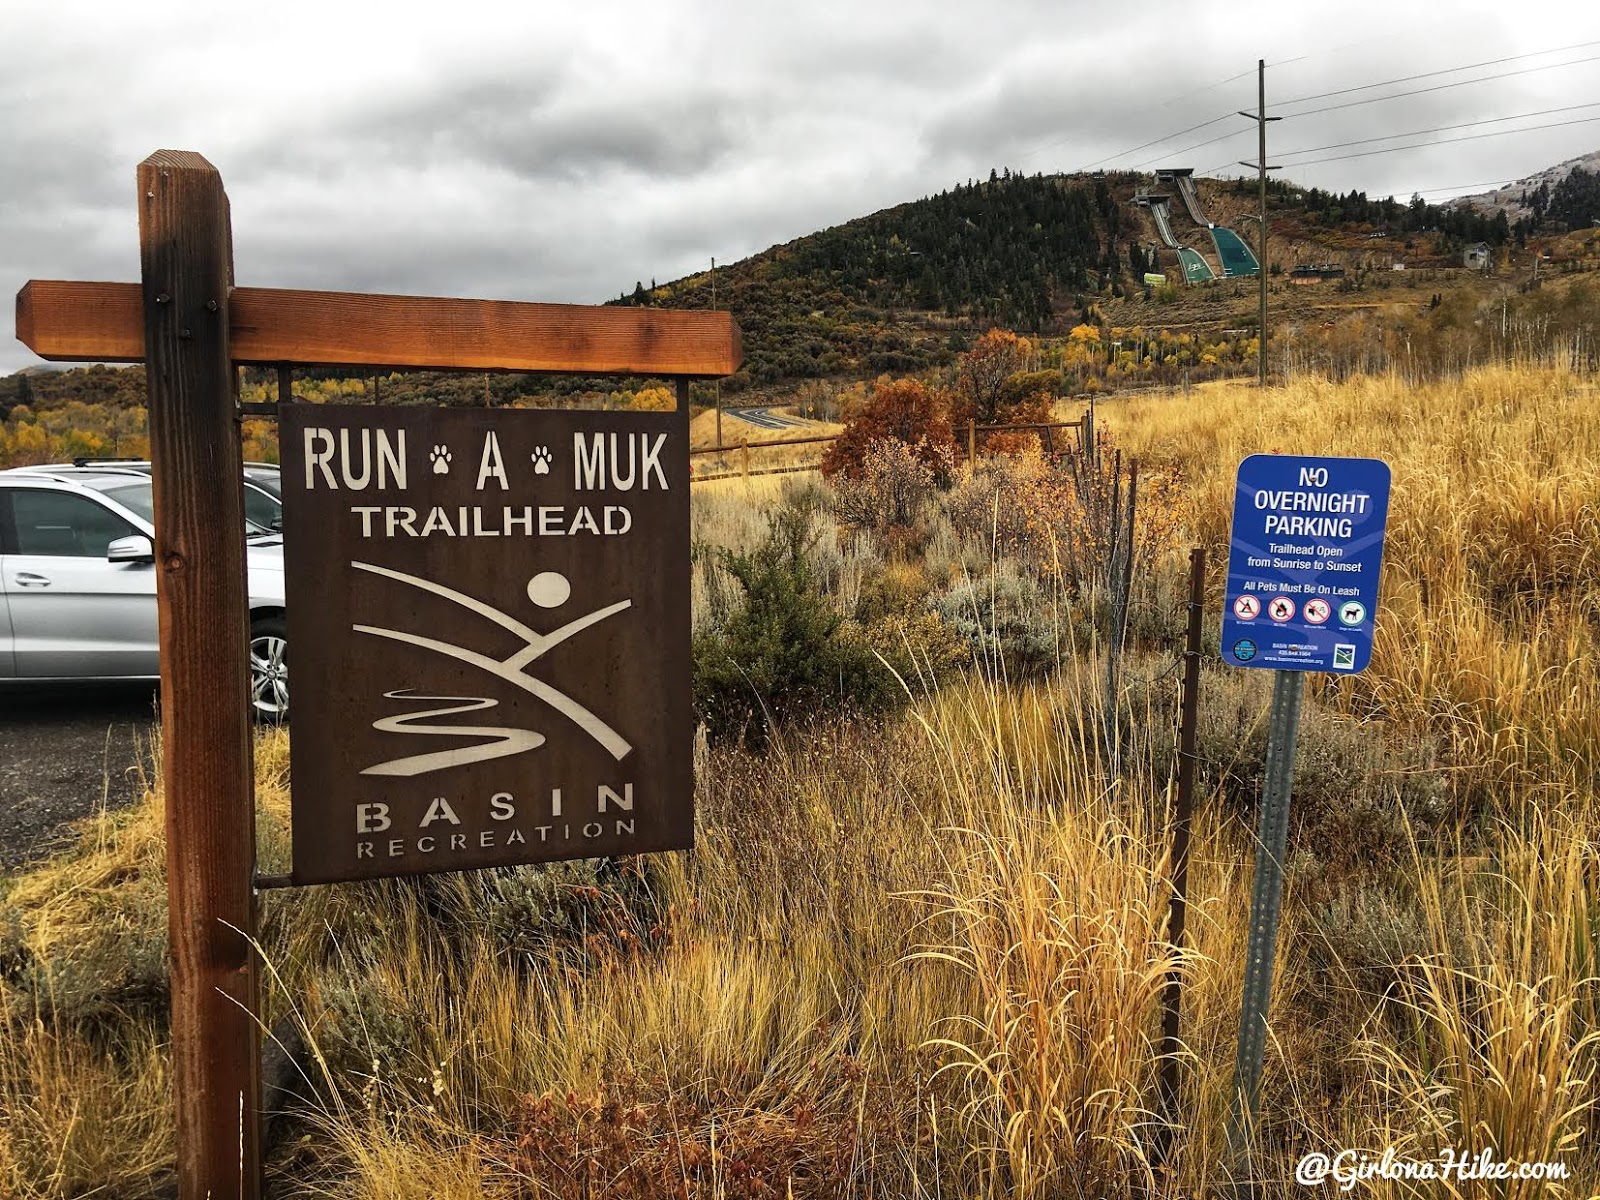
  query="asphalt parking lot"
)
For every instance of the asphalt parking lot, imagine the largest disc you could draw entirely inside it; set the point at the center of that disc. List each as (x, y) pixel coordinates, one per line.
(65, 751)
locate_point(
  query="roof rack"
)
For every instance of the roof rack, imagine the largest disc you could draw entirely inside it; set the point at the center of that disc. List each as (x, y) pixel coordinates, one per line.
(48, 473)
(66, 472)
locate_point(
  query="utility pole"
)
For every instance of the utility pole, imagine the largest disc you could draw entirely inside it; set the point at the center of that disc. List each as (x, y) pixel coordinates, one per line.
(718, 384)
(1261, 118)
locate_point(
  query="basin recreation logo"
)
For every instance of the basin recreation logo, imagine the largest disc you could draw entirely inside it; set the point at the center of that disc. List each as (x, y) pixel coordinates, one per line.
(548, 589)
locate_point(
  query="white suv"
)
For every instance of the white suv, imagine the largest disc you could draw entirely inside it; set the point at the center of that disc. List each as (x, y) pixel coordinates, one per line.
(78, 583)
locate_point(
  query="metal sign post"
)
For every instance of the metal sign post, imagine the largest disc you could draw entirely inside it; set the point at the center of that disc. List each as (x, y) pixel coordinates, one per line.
(1266, 898)
(1306, 552)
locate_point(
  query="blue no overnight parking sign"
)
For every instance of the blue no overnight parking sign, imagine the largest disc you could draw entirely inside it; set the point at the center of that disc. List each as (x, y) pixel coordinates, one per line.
(1303, 566)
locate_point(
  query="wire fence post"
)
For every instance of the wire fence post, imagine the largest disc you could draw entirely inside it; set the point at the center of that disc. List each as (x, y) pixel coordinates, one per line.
(1188, 729)
(1119, 586)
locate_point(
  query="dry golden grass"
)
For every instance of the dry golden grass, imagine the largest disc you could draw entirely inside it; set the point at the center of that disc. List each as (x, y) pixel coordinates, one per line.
(923, 959)
(1510, 1018)
(1491, 586)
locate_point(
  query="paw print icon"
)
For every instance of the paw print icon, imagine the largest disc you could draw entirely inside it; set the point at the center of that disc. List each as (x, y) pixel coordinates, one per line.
(541, 460)
(441, 460)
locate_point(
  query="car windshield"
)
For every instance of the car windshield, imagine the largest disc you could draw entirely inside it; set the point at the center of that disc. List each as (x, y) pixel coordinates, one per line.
(137, 497)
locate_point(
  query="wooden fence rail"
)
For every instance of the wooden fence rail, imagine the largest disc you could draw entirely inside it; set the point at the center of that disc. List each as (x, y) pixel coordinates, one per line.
(1078, 424)
(752, 474)
(744, 446)
(747, 444)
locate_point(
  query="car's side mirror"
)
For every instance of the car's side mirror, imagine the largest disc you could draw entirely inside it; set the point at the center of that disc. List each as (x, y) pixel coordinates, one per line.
(135, 548)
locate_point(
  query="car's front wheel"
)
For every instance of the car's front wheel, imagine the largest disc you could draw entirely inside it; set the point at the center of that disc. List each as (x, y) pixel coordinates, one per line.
(269, 670)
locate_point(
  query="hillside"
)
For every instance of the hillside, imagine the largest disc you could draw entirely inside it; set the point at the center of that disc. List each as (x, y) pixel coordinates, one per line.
(885, 292)
(903, 290)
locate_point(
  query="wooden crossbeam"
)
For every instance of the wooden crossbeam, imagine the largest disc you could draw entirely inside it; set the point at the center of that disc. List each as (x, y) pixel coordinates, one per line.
(104, 322)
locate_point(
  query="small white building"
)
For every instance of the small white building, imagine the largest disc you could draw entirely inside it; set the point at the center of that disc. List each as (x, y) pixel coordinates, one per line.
(1480, 256)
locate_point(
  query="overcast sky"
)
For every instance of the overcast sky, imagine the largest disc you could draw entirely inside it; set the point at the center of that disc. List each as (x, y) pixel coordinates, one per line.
(539, 151)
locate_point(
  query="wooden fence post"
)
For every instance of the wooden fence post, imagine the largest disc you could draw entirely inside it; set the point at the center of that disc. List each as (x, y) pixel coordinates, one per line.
(745, 446)
(186, 255)
(972, 443)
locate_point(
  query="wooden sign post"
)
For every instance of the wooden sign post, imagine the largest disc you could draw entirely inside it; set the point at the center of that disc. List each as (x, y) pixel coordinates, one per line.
(186, 258)
(192, 328)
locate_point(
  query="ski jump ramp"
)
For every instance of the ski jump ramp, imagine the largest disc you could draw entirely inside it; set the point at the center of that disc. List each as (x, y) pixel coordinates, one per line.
(1195, 268)
(1233, 252)
(1157, 206)
(1183, 177)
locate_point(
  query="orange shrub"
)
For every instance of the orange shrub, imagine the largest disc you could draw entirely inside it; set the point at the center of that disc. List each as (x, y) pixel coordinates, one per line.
(902, 411)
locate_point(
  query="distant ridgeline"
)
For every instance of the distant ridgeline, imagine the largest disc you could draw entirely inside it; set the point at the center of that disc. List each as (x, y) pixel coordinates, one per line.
(1457, 225)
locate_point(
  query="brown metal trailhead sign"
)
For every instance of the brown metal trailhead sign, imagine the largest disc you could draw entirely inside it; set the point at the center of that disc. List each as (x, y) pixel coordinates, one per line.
(489, 616)
(488, 610)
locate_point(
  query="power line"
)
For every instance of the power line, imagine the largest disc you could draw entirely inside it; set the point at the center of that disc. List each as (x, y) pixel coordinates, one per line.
(1493, 62)
(1398, 95)
(1157, 142)
(1494, 184)
(1440, 87)
(1167, 104)
(1471, 137)
(1366, 41)
(1179, 153)
(1210, 87)
(1335, 107)
(1544, 112)
(1225, 116)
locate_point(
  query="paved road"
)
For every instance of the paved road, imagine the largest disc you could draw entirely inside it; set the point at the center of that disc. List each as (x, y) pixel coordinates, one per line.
(763, 418)
(63, 752)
